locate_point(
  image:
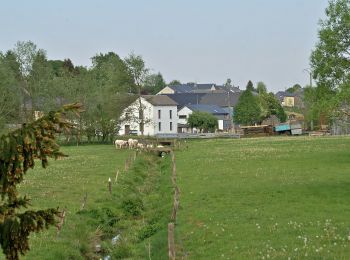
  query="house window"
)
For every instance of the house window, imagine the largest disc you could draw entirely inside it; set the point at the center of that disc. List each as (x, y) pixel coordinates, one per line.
(159, 126)
(159, 114)
(182, 116)
(171, 126)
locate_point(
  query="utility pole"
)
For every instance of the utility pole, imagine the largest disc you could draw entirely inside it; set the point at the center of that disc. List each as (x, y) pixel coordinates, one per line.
(310, 75)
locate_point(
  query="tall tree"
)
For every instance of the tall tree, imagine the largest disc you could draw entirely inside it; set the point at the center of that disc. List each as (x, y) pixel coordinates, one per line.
(139, 72)
(154, 83)
(18, 151)
(9, 98)
(261, 87)
(27, 54)
(247, 111)
(330, 60)
(250, 86)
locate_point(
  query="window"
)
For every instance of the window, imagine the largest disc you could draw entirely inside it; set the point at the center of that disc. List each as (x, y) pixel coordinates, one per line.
(182, 116)
(159, 114)
(159, 126)
(171, 126)
(170, 114)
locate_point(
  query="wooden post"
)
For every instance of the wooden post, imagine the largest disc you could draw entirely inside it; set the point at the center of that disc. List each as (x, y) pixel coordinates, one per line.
(110, 185)
(171, 241)
(59, 225)
(84, 202)
(116, 176)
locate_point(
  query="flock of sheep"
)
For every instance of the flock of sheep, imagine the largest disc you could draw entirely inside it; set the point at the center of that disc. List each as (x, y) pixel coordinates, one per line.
(131, 144)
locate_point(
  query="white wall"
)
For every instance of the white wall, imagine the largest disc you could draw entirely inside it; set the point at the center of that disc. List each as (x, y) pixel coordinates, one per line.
(165, 119)
(185, 111)
(151, 119)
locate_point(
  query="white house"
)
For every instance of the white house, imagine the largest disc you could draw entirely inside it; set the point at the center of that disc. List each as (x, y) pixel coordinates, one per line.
(160, 117)
(223, 116)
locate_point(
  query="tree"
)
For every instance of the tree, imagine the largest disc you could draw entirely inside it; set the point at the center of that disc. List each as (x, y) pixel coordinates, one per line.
(294, 89)
(154, 83)
(271, 106)
(174, 82)
(18, 151)
(139, 72)
(261, 87)
(228, 83)
(29, 58)
(250, 86)
(330, 60)
(9, 98)
(247, 111)
(203, 121)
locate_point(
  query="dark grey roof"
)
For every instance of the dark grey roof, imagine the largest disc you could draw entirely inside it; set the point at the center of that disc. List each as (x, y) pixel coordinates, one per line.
(194, 88)
(212, 109)
(221, 99)
(282, 94)
(160, 100)
(183, 88)
(183, 99)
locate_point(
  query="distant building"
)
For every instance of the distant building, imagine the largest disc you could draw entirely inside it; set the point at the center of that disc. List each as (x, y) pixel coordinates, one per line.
(196, 88)
(286, 99)
(223, 116)
(159, 113)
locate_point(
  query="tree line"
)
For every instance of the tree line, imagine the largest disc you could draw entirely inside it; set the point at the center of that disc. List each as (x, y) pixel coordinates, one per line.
(30, 82)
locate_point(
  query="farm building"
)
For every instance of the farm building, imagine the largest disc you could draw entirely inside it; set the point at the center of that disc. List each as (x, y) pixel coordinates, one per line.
(160, 117)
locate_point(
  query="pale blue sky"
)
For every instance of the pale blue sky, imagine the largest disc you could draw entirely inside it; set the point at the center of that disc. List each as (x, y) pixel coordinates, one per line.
(190, 40)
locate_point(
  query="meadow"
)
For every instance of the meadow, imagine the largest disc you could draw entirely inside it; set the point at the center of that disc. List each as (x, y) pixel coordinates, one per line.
(278, 198)
(135, 214)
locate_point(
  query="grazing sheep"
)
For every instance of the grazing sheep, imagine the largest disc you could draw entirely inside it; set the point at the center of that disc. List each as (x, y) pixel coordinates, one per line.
(141, 146)
(120, 144)
(160, 146)
(132, 143)
(149, 146)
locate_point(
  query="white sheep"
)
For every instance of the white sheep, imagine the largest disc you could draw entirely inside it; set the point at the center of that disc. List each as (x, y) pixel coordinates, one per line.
(132, 143)
(120, 144)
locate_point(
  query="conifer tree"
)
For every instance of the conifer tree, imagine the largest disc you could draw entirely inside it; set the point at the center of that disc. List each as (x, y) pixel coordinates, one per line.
(18, 152)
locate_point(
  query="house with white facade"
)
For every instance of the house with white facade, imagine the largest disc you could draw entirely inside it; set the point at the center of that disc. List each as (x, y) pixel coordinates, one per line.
(159, 117)
(223, 116)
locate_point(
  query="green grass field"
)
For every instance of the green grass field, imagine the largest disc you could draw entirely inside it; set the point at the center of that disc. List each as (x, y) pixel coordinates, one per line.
(138, 209)
(240, 199)
(265, 198)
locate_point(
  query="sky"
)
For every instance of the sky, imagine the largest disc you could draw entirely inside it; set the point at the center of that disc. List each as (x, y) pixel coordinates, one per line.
(202, 41)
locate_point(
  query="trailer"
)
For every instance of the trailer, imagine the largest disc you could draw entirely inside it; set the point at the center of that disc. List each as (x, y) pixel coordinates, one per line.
(289, 128)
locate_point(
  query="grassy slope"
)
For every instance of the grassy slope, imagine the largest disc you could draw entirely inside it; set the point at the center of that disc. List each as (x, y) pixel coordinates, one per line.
(87, 169)
(64, 184)
(270, 197)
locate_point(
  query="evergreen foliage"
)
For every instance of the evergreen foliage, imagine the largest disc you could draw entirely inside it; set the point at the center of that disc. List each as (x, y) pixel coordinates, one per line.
(247, 110)
(18, 151)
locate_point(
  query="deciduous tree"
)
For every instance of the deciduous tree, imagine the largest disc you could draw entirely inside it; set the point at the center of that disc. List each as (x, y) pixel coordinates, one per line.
(203, 121)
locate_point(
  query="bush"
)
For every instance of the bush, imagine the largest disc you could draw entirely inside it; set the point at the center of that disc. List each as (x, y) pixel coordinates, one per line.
(132, 206)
